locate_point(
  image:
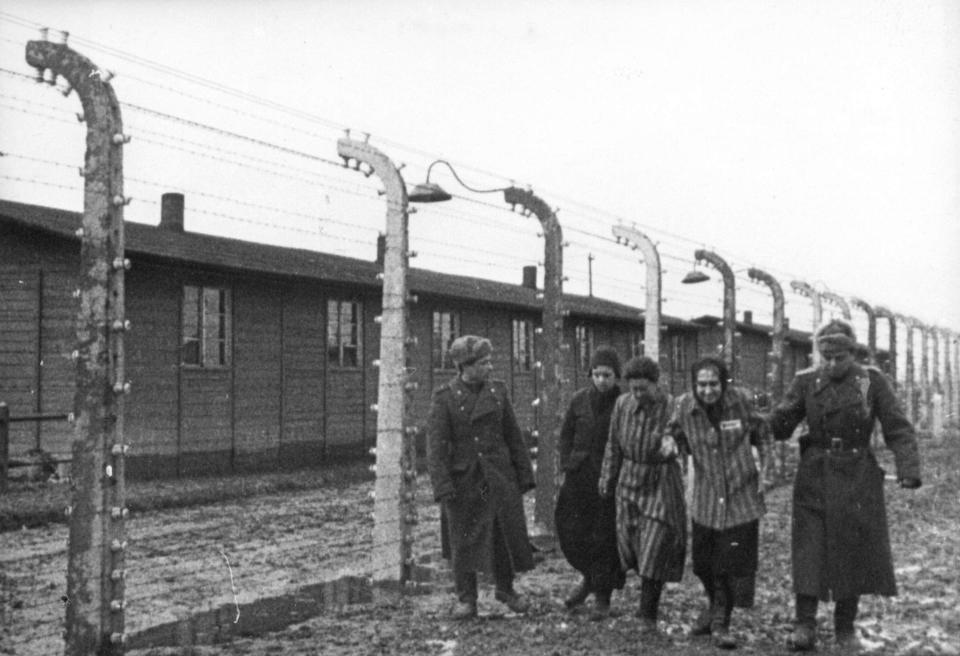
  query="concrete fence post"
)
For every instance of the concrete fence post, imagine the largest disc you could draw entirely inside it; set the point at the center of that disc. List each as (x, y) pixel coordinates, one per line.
(551, 360)
(729, 307)
(816, 299)
(633, 238)
(909, 383)
(95, 561)
(394, 508)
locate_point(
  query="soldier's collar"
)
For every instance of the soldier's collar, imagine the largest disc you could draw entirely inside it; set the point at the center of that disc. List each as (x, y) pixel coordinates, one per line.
(854, 373)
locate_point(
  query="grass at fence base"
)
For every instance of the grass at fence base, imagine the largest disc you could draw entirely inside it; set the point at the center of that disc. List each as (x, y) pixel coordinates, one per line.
(33, 504)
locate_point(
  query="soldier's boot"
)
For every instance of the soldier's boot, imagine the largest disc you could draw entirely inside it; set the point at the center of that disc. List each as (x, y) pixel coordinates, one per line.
(466, 587)
(701, 626)
(464, 610)
(804, 636)
(579, 595)
(503, 580)
(512, 600)
(601, 605)
(844, 613)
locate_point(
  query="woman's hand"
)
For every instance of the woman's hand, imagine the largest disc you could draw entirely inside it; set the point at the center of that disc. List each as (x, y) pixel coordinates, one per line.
(668, 447)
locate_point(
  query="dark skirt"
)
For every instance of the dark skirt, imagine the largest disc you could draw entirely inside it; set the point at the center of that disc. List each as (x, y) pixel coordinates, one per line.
(587, 529)
(729, 553)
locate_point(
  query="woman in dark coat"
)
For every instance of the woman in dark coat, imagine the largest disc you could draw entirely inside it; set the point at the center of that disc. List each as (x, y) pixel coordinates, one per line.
(587, 524)
(841, 548)
(480, 468)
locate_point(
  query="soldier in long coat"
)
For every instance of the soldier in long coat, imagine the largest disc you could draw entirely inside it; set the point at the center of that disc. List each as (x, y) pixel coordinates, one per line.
(586, 524)
(651, 517)
(841, 548)
(480, 468)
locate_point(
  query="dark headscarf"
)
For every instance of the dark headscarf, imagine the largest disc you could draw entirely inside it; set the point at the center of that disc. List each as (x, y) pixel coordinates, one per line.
(710, 362)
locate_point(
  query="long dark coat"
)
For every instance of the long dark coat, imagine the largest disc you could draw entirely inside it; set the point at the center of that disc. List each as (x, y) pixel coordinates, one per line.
(841, 546)
(477, 453)
(587, 524)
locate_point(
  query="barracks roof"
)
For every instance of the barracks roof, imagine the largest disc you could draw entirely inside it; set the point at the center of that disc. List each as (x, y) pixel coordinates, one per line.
(239, 255)
(790, 334)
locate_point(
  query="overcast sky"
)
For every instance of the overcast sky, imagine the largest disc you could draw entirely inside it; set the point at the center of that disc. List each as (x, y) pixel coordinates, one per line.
(817, 140)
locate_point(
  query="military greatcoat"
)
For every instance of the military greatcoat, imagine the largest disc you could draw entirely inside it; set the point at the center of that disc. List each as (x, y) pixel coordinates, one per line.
(841, 546)
(479, 468)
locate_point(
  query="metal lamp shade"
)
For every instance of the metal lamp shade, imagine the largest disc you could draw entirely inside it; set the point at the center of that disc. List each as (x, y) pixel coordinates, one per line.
(695, 276)
(428, 192)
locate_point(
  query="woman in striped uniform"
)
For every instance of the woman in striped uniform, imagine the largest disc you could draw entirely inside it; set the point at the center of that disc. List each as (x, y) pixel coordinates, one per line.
(651, 520)
(717, 425)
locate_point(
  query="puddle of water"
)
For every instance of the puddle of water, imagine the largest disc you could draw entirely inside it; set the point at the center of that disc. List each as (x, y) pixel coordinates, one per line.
(269, 614)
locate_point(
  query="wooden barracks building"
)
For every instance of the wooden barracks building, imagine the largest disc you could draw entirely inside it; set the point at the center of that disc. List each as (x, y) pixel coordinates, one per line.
(244, 356)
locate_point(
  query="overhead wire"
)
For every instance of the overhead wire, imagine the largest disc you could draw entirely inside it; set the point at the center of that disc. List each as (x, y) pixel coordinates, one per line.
(267, 224)
(236, 201)
(15, 178)
(228, 133)
(274, 172)
(35, 113)
(231, 216)
(587, 211)
(196, 124)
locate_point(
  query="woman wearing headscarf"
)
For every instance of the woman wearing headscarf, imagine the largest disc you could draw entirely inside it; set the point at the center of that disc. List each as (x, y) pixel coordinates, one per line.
(716, 425)
(586, 524)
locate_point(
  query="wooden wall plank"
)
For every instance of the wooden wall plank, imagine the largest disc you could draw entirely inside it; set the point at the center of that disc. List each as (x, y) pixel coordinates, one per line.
(257, 363)
(19, 318)
(303, 360)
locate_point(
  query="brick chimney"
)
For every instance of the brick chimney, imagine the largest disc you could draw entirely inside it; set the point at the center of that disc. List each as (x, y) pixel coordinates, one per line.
(748, 317)
(530, 276)
(171, 212)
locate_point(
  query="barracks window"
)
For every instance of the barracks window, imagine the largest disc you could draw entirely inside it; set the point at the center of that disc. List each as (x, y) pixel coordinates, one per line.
(678, 355)
(205, 326)
(523, 350)
(446, 328)
(344, 326)
(584, 336)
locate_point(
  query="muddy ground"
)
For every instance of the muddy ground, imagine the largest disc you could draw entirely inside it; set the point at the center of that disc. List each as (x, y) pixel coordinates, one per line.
(184, 562)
